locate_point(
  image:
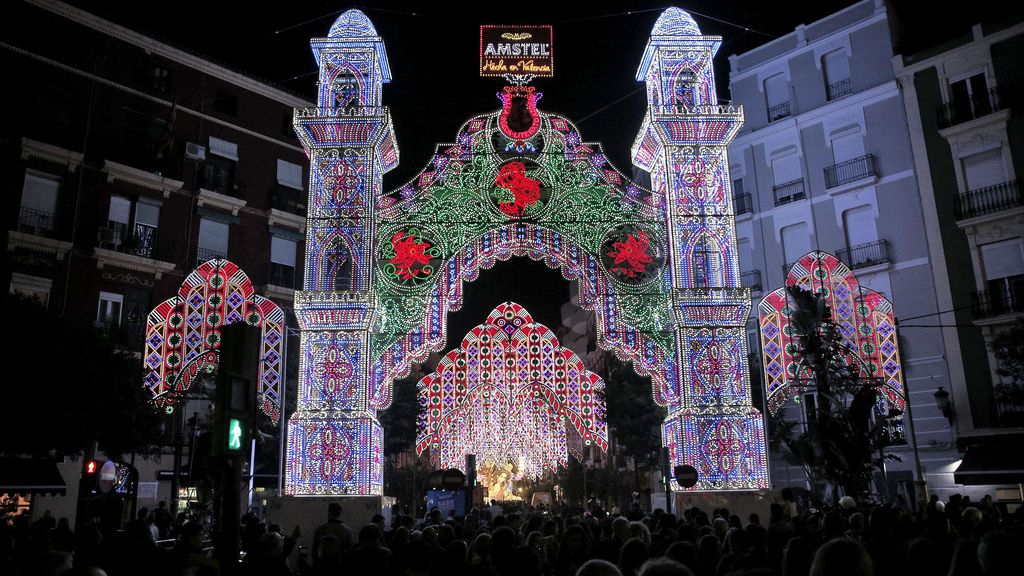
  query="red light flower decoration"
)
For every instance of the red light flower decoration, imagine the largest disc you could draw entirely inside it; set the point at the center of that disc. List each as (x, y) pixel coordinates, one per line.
(526, 190)
(411, 259)
(633, 254)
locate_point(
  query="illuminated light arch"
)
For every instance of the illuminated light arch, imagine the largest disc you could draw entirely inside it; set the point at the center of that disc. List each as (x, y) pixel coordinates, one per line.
(530, 188)
(183, 334)
(865, 320)
(509, 392)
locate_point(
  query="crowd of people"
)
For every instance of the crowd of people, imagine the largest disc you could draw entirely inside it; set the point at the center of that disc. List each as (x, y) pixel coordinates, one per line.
(955, 538)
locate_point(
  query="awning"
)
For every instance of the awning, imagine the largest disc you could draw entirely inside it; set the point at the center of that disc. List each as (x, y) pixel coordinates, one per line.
(30, 476)
(991, 464)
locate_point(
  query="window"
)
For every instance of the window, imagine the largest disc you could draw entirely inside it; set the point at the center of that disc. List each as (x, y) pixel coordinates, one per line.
(109, 310)
(161, 78)
(218, 170)
(786, 169)
(984, 169)
(859, 226)
(138, 237)
(969, 98)
(1004, 275)
(776, 91)
(289, 174)
(741, 200)
(836, 67)
(38, 203)
(707, 264)
(213, 239)
(795, 243)
(851, 164)
(789, 185)
(282, 261)
(847, 144)
(32, 287)
(226, 102)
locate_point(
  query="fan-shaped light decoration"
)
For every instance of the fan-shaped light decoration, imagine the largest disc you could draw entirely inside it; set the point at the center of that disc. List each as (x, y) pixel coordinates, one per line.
(510, 393)
(864, 318)
(183, 334)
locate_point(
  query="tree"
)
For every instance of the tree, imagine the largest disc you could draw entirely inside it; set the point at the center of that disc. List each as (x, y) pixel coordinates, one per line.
(1008, 349)
(68, 385)
(634, 419)
(842, 440)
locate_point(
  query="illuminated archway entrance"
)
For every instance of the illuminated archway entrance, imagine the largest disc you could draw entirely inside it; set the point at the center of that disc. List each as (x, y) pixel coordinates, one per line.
(658, 267)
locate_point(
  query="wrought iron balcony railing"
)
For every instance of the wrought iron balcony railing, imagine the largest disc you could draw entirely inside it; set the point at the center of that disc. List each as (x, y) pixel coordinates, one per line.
(139, 240)
(742, 203)
(989, 303)
(849, 171)
(282, 275)
(838, 89)
(960, 111)
(752, 280)
(778, 112)
(789, 192)
(864, 255)
(989, 199)
(204, 254)
(289, 200)
(36, 222)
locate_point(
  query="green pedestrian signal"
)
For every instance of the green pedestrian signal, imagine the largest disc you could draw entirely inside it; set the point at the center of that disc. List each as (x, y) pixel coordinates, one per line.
(234, 434)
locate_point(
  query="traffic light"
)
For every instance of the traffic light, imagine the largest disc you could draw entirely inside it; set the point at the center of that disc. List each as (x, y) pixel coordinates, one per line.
(235, 435)
(91, 467)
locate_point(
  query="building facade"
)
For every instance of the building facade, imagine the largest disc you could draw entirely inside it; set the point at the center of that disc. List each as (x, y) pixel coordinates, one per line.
(131, 162)
(967, 148)
(824, 162)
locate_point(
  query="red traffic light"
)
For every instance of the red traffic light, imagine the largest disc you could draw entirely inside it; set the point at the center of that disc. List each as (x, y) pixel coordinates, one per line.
(90, 467)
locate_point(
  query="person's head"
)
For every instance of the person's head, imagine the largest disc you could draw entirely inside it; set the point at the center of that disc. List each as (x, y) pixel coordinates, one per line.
(720, 526)
(841, 557)
(632, 556)
(856, 521)
(847, 503)
(191, 534)
(271, 544)
(482, 545)
(971, 516)
(664, 567)
(334, 511)
(378, 519)
(597, 567)
(162, 505)
(684, 553)
(620, 527)
(999, 554)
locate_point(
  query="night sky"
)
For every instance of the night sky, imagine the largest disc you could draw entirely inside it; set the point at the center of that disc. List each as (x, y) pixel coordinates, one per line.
(432, 49)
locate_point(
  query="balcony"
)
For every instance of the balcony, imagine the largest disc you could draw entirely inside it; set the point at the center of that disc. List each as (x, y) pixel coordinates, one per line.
(139, 240)
(789, 192)
(282, 275)
(838, 89)
(864, 255)
(1009, 406)
(752, 280)
(850, 171)
(36, 222)
(989, 199)
(991, 303)
(742, 203)
(205, 254)
(288, 200)
(778, 112)
(960, 111)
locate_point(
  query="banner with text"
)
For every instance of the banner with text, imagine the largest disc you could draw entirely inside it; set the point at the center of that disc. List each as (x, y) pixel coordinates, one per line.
(516, 50)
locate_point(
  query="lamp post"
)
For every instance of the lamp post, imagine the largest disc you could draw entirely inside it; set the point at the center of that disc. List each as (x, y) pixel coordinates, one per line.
(944, 405)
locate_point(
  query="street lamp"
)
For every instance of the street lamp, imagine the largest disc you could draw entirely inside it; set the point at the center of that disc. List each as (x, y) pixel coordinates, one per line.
(944, 405)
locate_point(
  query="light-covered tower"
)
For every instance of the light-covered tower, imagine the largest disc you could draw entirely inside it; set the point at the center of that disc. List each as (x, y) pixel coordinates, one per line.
(335, 443)
(711, 425)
